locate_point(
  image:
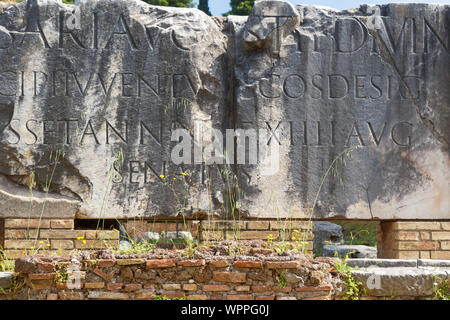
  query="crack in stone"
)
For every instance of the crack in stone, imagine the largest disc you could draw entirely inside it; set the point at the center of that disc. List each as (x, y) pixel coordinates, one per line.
(387, 57)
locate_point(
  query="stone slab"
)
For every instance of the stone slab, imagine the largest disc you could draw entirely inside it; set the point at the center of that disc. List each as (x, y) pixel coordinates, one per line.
(354, 105)
(351, 111)
(90, 95)
(403, 281)
(6, 279)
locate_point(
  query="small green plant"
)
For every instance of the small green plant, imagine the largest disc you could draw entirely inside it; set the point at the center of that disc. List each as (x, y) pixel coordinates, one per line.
(191, 247)
(61, 275)
(136, 248)
(6, 264)
(353, 289)
(16, 284)
(281, 279)
(441, 289)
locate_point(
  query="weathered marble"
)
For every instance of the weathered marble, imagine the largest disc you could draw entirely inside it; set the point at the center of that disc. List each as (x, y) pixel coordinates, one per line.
(358, 102)
(89, 96)
(354, 105)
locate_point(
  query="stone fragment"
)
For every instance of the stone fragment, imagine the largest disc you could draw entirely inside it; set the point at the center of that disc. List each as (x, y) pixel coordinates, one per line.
(349, 122)
(90, 100)
(352, 251)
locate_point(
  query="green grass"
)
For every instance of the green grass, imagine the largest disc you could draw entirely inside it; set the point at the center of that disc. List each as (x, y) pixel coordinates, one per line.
(359, 232)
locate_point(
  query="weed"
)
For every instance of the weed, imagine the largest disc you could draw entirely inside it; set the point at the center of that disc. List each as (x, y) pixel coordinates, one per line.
(16, 284)
(441, 289)
(281, 278)
(6, 264)
(135, 248)
(353, 289)
(61, 275)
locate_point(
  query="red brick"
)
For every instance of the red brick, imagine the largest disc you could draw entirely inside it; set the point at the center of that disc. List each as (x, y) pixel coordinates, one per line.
(282, 264)
(247, 264)
(41, 284)
(265, 298)
(104, 263)
(94, 285)
(283, 290)
(133, 287)
(61, 234)
(406, 255)
(62, 224)
(129, 262)
(26, 223)
(417, 245)
(42, 276)
(420, 225)
(174, 295)
(61, 244)
(192, 263)
(233, 277)
(61, 286)
(68, 295)
(114, 286)
(242, 288)
(190, 287)
(102, 235)
(261, 288)
(160, 263)
(45, 266)
(144, 295)
(219, 263)
(441, 255)
(171, 286)
(216, 287)
(440, 235)
(406, 235)
(239, 297)
(21, 234)
(258, 225)
(96, 244)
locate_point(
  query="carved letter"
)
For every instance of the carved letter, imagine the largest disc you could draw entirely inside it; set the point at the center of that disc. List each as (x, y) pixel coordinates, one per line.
(123, 30)
(346, 34)
(358, 135)
(294, 86)
(395, 139)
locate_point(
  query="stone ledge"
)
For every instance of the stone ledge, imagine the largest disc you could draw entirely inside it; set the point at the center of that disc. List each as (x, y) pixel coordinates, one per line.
(400, 281)
(397, 263)
(6, 279)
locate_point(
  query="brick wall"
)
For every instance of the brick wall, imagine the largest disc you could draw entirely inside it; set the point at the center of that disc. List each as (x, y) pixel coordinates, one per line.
(22, 236)
(414, 240)
(218, 278)
(218, 230)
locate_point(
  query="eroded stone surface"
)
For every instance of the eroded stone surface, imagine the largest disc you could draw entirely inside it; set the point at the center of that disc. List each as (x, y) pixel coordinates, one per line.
(355, 103)
(358, 104)
(402, 281)
(89, 96)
